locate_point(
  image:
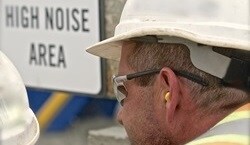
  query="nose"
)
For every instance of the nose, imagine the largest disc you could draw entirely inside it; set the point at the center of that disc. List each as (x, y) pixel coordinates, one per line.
(119, 115)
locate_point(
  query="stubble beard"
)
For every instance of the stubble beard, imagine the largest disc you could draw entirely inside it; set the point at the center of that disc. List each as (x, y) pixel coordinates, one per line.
(153, 134)
(154, 137)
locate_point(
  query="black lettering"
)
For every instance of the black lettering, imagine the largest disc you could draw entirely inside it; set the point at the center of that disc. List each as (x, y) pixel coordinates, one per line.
(76, 26)
(84, 20)
(51, 55)
(68, 22)
(9, 16)
(49, 18)
(17, 16)
(42, 53)
(34, 17)
(33, 54)
(24, 18)
(59, 19)
(61, 57)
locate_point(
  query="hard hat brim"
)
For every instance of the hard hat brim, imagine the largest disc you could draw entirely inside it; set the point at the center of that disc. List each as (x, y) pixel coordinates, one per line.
(28, 135)
(35, 129)
(111, 47)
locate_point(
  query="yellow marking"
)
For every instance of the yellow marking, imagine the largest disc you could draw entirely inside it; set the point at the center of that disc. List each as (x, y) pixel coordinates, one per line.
(235, 116)
(51, 107)
(229, 138)
(246, 107)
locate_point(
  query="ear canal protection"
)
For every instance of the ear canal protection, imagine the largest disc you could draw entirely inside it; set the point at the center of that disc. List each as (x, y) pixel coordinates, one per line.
(167, 96)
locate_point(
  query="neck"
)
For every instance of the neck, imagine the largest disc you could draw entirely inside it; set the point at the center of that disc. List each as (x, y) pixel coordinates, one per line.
(197, 122)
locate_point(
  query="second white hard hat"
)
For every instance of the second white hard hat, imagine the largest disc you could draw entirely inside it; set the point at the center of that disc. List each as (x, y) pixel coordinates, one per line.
(18, 124)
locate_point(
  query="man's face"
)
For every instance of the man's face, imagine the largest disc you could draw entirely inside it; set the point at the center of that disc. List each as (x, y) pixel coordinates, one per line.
(140, 114)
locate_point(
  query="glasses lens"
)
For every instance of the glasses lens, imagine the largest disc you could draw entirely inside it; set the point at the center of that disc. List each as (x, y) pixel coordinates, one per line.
(121, 93)
(119, 88)
(122, 90)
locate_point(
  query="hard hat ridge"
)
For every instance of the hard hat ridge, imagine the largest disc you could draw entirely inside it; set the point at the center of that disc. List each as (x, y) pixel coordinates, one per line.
(222, 23)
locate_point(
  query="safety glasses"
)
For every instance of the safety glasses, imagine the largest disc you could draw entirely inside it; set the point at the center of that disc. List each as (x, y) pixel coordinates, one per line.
(121, 91)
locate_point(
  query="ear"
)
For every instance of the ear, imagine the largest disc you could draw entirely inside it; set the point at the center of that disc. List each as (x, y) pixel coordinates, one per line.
(170, 84)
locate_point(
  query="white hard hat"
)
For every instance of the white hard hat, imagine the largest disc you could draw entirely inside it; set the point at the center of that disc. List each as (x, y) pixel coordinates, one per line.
(18, 124)
(217, 23)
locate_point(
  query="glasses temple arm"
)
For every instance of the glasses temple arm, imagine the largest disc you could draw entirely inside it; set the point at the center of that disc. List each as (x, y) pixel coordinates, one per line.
(192, 77)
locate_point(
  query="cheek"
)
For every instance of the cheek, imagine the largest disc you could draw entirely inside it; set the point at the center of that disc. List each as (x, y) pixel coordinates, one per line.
(139, 117)
(137, 112)
(133, 107)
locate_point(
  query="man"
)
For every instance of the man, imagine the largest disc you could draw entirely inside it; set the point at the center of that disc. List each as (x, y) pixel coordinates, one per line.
(184, 72)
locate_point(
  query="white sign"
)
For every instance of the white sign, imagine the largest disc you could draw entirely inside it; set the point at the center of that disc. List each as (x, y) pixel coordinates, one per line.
(46, 41)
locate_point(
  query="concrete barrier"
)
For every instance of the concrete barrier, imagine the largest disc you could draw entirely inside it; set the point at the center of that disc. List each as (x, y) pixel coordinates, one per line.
(115, 135)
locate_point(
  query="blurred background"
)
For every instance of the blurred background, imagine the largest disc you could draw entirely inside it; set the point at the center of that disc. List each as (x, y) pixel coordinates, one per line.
(69, 90)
